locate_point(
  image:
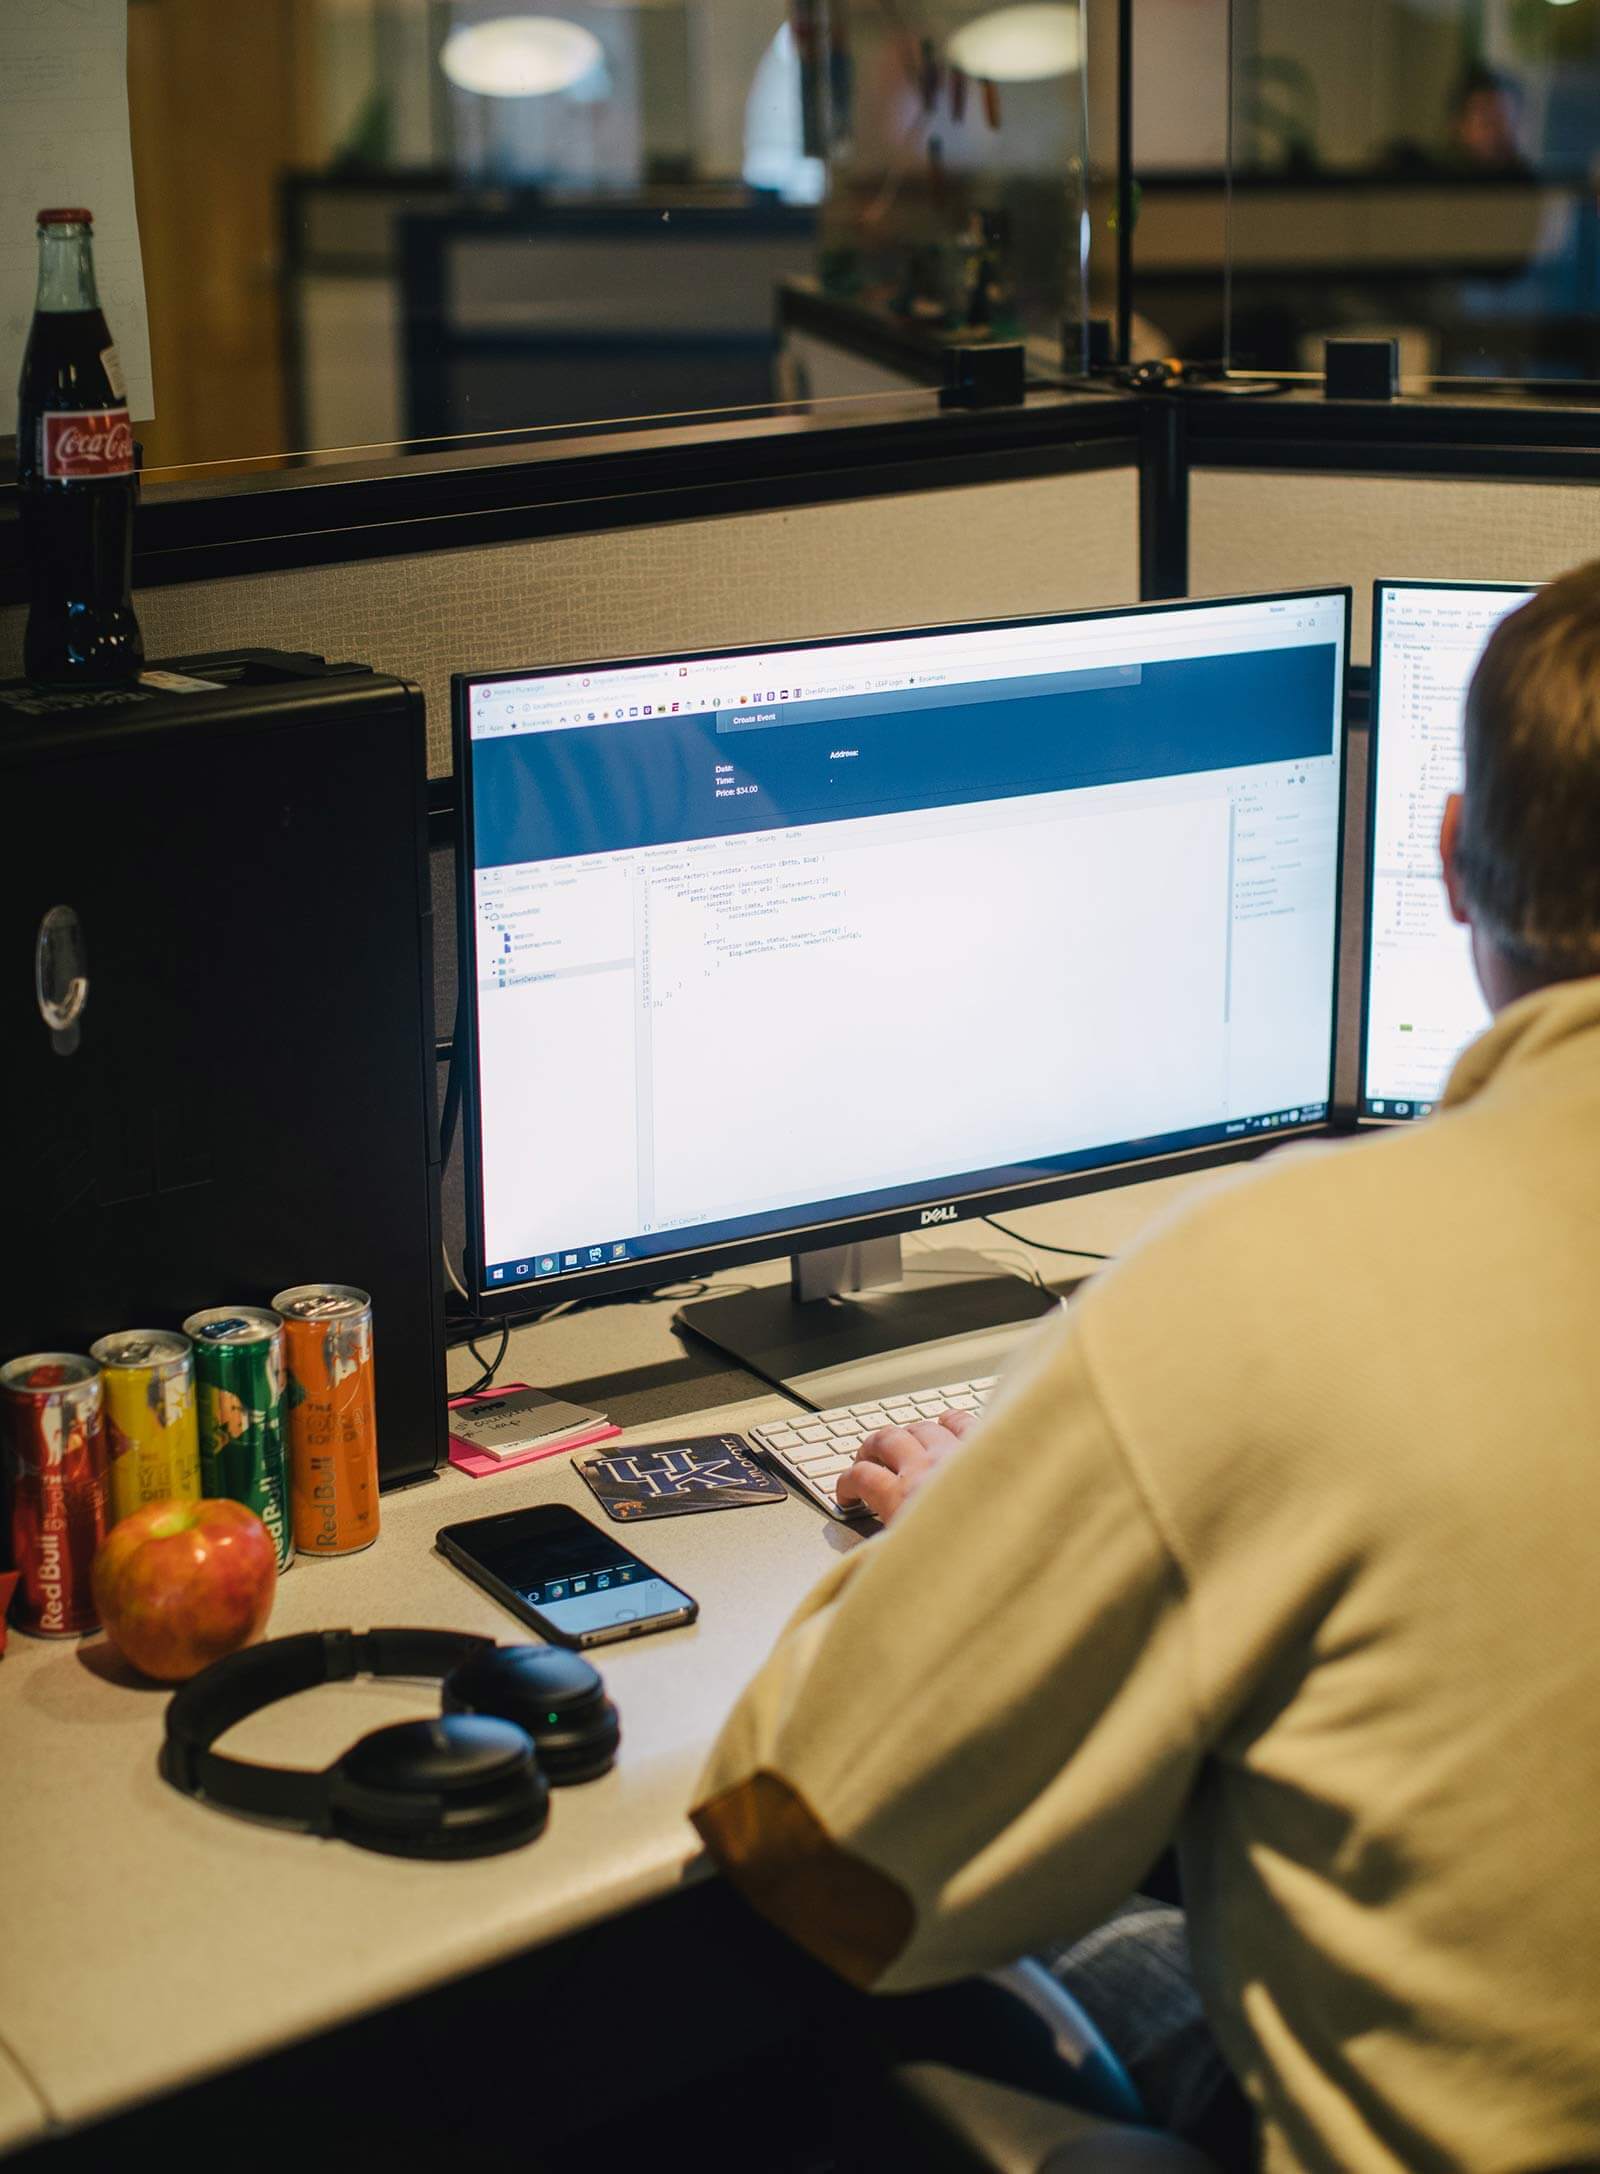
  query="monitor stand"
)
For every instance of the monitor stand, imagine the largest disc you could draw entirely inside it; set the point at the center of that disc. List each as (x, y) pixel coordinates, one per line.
(849, 1325)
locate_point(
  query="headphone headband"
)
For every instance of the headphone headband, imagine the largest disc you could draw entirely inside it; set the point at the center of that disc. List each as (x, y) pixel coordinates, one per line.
(210, 1703)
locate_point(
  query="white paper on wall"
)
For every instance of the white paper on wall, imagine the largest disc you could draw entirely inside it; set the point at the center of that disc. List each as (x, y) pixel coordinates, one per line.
(64, 140)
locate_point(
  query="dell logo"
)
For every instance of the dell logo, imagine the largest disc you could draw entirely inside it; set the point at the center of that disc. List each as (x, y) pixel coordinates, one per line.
(939, 1215)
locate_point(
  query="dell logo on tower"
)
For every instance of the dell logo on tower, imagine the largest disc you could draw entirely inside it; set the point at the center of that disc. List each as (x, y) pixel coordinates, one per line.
(939, 1215)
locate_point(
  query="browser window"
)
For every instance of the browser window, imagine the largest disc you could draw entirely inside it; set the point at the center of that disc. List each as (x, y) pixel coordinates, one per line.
(763, 940)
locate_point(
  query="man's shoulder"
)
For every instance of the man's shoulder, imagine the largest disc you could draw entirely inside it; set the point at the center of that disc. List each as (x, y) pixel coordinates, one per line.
(1300, 1215)
(1239, 1316)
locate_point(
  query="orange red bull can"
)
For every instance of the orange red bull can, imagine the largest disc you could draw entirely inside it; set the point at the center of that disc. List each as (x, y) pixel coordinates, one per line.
(148, 1379)
(333, 1421)
(55, 1459)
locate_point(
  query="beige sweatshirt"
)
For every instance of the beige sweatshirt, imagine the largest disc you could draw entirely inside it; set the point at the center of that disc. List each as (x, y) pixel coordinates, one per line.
(1286, 1542)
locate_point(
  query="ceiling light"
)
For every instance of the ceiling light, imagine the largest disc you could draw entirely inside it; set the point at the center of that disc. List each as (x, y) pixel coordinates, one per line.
(1020, 45)
(520, 56)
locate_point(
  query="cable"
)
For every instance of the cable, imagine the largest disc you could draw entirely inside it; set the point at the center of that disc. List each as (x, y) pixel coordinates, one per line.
(490, 1367)
(1024, 1272)
(1077, 1253)
(452, 1096)
(456, 1283)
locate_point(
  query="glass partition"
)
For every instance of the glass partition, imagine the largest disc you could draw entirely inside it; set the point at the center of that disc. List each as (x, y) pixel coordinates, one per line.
(371, 224)
(1422, 169)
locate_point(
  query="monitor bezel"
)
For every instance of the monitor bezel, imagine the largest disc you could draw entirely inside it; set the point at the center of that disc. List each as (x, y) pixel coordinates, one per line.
(1356, 1115)
(696, 1263)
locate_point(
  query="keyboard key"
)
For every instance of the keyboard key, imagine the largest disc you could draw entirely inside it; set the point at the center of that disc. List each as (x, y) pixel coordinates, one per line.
(814, 1449)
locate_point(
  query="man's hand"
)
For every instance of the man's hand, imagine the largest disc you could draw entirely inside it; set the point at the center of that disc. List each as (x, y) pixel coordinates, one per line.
(893, 1463)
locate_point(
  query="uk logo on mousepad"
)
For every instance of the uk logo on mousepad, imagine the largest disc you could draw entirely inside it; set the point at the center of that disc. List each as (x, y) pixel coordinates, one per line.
(675, 1479)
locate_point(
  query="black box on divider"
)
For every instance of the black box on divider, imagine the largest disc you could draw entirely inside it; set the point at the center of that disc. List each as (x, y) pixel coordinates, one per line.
(216, 1011)
(1361, 369)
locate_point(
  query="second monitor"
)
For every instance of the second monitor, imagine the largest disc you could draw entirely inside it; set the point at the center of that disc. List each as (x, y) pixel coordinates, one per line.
(784, 950)
(1421, 1000)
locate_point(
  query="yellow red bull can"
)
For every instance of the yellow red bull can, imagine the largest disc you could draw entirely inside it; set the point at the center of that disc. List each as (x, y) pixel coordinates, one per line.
(333, 1420)
(147, 1376)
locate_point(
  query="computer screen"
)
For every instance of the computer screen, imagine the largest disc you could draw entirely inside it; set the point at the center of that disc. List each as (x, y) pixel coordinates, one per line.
(1423, 1004)
(774, 949)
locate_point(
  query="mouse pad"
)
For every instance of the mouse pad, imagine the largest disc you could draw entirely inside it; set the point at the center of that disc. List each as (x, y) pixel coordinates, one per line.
(676, 1479)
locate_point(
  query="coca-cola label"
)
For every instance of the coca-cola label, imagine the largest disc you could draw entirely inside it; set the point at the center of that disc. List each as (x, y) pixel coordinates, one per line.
(81, 445)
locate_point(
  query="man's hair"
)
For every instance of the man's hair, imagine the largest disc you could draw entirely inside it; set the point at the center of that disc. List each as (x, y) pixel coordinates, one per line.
(1529, 850)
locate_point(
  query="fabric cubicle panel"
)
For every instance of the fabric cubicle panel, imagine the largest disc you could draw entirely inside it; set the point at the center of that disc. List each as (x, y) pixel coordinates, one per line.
(1053, 543)
(1253, 528)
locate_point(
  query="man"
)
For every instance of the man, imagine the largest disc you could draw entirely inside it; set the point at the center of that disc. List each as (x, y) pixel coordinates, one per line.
(1284, 1544)
(1484, 117)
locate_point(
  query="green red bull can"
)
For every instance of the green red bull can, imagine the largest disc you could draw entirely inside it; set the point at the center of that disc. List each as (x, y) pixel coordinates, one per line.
(238, 1367)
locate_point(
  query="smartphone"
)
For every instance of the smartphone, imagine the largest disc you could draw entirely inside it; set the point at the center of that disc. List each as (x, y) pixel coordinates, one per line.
(566, 1577)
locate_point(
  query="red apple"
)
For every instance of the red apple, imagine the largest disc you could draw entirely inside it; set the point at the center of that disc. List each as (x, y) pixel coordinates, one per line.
(179, 1584)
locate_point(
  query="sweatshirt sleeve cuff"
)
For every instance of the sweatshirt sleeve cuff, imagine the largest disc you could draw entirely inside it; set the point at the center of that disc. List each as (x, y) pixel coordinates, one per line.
(782, 1859)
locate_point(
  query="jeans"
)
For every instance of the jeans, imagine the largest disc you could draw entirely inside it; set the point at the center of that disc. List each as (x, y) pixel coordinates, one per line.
(1133, 1978)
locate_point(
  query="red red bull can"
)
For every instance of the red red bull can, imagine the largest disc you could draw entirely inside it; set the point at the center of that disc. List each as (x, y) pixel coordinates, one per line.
(55, 1459)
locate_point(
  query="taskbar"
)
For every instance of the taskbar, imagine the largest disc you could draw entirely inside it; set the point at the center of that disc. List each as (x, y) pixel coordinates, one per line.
(567, 1261)
(1390, 1109)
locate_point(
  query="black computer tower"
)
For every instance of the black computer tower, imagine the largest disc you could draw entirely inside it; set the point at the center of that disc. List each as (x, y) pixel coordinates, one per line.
(216, 1012)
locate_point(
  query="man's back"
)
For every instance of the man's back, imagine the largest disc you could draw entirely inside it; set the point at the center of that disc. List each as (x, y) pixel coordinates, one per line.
(1287, 1539)
(1362, 1391)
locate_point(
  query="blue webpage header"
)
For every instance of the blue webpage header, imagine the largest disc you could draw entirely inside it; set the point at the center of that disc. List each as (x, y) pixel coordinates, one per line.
(662, 780)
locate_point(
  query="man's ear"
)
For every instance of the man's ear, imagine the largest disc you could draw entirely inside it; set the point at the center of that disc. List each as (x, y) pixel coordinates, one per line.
(1449, 846)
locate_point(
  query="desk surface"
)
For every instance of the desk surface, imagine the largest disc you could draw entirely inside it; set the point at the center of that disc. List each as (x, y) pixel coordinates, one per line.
(182, 1942)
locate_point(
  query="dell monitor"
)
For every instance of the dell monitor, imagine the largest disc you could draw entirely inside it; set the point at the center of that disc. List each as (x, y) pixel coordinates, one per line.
(794, 949)
(1421, 1001)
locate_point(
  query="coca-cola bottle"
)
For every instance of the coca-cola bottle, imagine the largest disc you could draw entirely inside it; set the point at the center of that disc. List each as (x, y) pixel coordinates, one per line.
(75, 472)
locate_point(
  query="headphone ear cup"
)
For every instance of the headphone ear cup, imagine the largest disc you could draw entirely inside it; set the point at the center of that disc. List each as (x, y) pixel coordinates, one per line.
(465, 1785)
(555, 1695)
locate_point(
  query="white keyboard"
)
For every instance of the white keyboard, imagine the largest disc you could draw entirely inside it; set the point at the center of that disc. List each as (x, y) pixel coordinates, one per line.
(813, 1448)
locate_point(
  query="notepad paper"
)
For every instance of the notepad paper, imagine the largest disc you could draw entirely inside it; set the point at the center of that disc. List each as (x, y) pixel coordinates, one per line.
(509, 1422)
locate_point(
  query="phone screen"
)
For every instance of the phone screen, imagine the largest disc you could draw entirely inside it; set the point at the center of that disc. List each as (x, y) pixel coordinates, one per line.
(577, 1578)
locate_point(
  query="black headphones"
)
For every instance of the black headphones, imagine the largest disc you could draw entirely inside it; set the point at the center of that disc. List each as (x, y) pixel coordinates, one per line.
(515, 1720)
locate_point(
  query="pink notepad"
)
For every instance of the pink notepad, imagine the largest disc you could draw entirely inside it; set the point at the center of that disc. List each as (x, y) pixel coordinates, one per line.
(478, 1463)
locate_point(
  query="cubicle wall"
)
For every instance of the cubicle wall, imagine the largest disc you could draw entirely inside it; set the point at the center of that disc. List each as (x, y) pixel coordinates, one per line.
(1271, 528)
(1057, 542)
